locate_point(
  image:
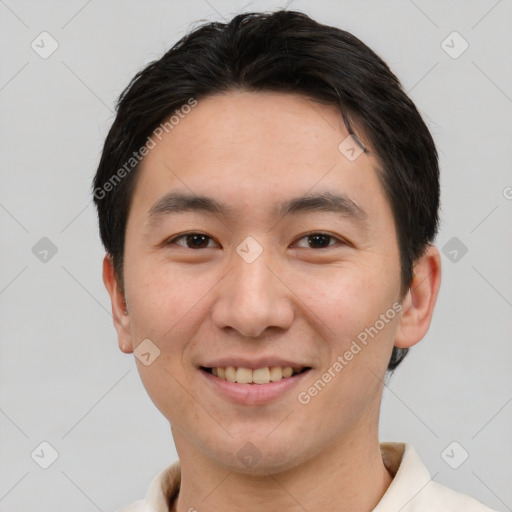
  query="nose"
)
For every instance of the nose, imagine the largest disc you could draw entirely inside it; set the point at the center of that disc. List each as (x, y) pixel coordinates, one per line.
(253, 297)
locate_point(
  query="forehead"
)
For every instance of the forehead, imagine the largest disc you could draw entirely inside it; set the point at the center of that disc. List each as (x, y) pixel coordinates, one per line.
(252, 150)
(263, 125)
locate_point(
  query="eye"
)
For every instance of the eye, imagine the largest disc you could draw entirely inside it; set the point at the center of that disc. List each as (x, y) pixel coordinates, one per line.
(195, 240)
(191, 240)
(320, 240)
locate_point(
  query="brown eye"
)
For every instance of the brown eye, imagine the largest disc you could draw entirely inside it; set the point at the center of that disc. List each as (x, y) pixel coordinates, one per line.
(191, 241)
(319, 240)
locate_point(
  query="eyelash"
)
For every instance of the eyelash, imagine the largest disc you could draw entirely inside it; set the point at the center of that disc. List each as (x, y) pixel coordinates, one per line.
(308, 235)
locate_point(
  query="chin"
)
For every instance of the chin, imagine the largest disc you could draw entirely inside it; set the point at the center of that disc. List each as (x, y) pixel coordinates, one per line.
(259, 456)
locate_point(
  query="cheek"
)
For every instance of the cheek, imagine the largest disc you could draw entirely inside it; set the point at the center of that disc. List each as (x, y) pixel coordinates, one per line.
(349, 297)
(346, 391)
(167, 303)
(355, 316)
(165, 308)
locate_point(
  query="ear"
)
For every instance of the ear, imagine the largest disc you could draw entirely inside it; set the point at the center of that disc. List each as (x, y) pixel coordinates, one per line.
(119, 313)
(418, 305)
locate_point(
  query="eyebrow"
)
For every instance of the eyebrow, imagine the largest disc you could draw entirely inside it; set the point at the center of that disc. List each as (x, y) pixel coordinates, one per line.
(176, 202)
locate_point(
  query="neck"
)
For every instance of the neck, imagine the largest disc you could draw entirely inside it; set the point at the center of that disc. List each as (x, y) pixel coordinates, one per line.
(350, 475)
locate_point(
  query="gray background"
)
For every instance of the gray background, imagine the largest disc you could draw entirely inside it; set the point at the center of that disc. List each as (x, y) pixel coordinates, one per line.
(63, 379)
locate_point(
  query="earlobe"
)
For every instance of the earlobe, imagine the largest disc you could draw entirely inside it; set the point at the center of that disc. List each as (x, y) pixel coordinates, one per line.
(418, 305)
(119, 307)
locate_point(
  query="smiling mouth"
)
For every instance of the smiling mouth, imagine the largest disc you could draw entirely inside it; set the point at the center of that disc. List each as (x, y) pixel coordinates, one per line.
(264, 375)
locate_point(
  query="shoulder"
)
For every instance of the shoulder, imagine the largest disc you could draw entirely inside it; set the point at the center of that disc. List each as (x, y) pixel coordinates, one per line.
(162, 490)
(439, 497)
(413, 488)
(137, 506)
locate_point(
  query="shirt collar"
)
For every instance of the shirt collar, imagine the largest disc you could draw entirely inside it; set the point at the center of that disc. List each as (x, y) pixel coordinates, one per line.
(410, 476)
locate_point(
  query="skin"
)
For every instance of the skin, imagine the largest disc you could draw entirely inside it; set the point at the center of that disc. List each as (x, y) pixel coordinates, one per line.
(252, 150)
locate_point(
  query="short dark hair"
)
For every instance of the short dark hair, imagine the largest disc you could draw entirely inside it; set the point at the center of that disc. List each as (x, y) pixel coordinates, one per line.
(281, 51)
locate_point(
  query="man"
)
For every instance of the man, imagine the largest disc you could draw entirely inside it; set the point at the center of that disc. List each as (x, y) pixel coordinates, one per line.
(268, 200)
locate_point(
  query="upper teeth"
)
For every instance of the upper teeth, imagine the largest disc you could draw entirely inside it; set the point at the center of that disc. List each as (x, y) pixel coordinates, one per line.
(258, 376)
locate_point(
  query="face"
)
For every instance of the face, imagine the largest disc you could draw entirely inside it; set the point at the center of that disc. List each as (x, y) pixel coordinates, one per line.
(266, 280)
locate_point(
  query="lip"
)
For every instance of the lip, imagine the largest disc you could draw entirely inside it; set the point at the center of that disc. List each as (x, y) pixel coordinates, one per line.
(252, 394)
(253, 364)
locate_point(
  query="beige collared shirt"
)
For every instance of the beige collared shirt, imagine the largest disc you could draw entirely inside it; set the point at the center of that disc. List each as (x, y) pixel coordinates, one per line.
(412, 488)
